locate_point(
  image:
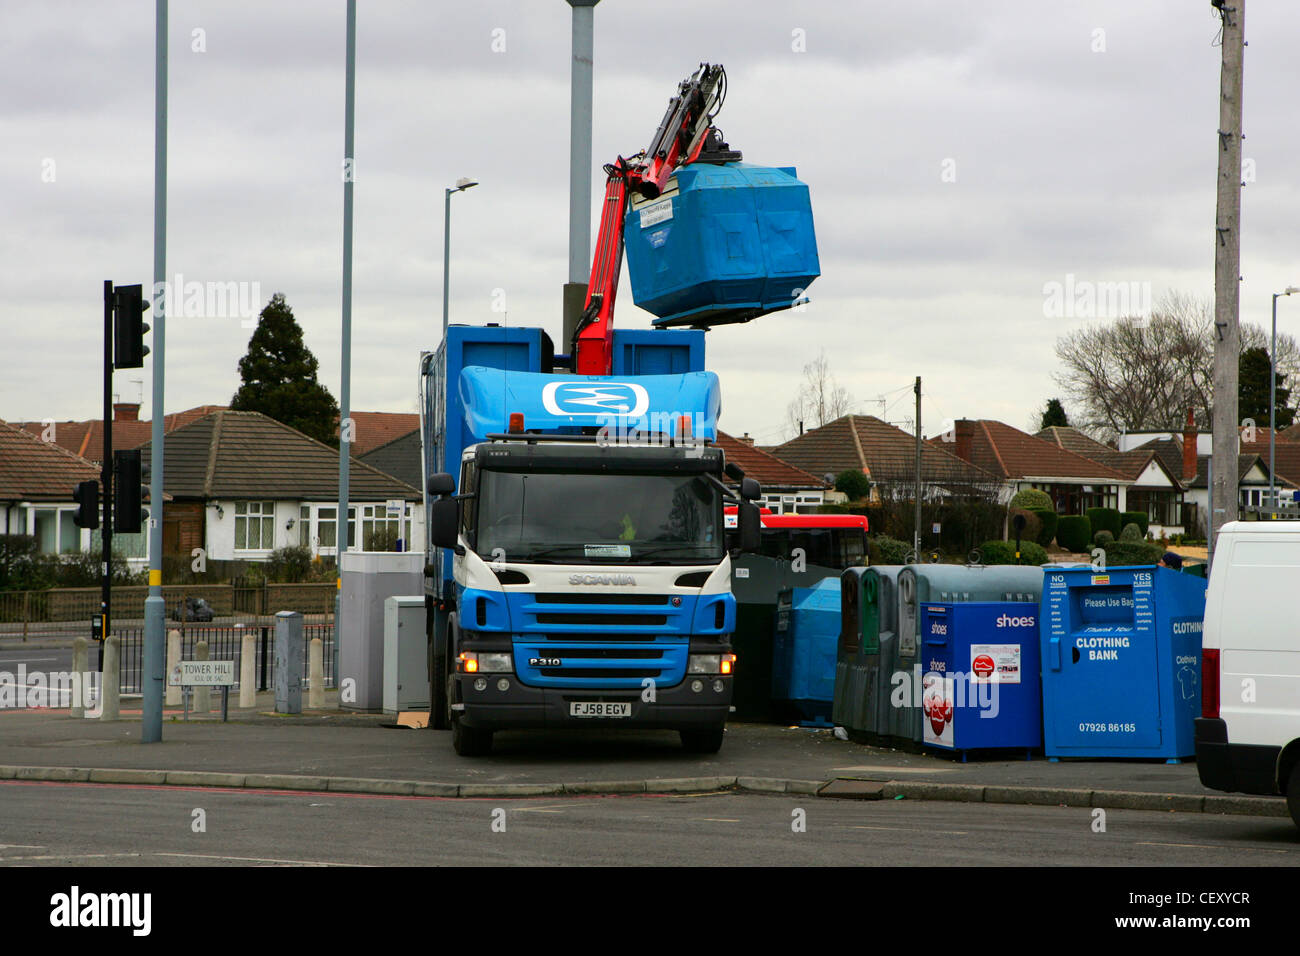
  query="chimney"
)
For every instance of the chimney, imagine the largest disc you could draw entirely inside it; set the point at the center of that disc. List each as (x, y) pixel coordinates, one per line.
(964, 431)
(746, 439)
(1189, 447)
(126, 411)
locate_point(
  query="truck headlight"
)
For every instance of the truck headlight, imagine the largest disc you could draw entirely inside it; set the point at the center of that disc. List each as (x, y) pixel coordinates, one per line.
(470, 662)
(712, 664)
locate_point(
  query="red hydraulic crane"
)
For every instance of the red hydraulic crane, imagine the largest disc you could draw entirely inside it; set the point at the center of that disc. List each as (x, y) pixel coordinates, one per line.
(685, 135)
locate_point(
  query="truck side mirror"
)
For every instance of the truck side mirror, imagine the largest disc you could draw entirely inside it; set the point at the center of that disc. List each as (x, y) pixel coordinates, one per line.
(749, 489)
(440, 484)
(749, 524)
(444, 521)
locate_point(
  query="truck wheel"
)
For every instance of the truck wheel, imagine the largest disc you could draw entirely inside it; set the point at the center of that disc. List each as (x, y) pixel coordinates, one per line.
(469, 742)
(1293, 793)
(702, 741)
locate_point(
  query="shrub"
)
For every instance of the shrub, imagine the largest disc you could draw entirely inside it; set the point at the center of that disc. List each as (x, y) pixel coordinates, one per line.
(887, 550)
(1124, 553)
(289, 565)
(1138, 518)
(1073, 532)
(1131, 532)
(854, 484)
(1104, 519)
(1032, 529)
(1103, 539)
(1031, 498)
(1004, 552)
(1047, 519)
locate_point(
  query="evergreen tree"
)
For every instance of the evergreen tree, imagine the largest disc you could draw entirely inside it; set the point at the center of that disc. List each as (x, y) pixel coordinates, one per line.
(1053, 414)
(1252, 390)
(279, 377)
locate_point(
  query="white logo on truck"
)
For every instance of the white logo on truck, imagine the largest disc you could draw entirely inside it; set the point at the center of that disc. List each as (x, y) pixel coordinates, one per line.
(590, 399)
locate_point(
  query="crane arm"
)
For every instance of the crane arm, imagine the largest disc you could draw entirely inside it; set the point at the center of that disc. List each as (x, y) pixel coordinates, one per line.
(683, 134)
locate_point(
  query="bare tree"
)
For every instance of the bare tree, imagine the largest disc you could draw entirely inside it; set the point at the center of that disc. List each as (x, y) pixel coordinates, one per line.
(1144, 374)
(820, 398)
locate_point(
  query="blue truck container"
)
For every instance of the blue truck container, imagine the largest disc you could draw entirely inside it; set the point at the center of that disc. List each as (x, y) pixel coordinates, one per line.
(1121, 662)
(803, 650)
(731, 242)
(981, 687)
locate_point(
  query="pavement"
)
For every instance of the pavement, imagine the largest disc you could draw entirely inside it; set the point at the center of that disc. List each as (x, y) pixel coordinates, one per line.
(332, 750)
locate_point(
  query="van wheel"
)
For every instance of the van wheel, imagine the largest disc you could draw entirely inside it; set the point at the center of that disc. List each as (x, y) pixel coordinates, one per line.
(1293, 793)
(469, 742)
(702, 741)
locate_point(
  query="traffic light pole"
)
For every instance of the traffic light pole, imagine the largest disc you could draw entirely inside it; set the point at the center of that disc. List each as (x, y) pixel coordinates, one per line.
(106, 476)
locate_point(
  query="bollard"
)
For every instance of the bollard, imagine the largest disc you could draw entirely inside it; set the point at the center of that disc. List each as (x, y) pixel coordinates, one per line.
(112, 680)
(247, 672)
(316, 663)
(80, 680)
(202, 693)
(173, 698)
(288, 662)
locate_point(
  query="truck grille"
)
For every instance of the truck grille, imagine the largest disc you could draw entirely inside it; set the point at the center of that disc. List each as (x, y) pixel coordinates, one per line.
(572, 617)
(570, 598)
(612, 666)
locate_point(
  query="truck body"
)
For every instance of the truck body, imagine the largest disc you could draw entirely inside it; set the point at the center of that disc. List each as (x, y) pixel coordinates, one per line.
(590, 580)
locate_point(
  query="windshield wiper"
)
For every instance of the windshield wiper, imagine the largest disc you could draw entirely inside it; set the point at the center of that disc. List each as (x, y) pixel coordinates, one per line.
(668, 547)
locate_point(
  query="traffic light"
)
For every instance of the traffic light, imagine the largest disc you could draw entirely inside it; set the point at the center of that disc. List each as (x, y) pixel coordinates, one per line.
(129, 326)
(127, 491)
(86, 495)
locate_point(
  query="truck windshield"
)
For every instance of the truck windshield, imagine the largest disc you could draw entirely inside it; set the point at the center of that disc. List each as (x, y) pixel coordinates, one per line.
(598, 519)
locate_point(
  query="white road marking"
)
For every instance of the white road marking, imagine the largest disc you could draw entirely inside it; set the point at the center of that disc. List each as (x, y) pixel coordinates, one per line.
(913, 829)
(1216, 846)
(67, 856)
(29, 660)
(254, 859)
(22, 846)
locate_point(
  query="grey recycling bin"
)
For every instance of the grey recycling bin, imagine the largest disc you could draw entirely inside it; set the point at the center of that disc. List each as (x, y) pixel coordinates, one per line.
(904, 664)
(869, 631)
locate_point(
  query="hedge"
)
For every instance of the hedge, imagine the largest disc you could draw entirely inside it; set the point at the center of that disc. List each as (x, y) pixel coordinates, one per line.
(1031, 498)
(1074, 533)
(1104, 519)
(1032, 529)
(1138, 518)
(1004, 552)
(854, 484)
(1124, 553)
(1131, 532)
(1047, 518)
(888, 550)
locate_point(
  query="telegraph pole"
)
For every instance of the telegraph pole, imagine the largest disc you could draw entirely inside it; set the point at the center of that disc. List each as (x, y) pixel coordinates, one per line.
(916, 529)
(580, 85)
(1227, 270)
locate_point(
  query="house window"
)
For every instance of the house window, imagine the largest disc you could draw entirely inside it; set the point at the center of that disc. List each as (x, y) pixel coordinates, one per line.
(327, 531)
(381, 531)
(254, 525)
(55, 530)
(304, 526)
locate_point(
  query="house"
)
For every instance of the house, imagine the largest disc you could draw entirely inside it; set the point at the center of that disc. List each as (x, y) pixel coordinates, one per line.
(37, 479)
(887, 455)
(373, 429)
(1157, 488)
(243, 484)
(1020, 460)
(787, 489)
(399, 457)
(86, 438)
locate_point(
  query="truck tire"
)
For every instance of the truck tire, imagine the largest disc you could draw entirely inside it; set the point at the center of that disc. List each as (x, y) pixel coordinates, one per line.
(439, 678)
(468, 742)
(702, 741)
(1293, 793)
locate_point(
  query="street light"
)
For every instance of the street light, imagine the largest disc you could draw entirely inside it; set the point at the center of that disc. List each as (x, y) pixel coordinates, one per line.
(1272, 397)
(461, 184)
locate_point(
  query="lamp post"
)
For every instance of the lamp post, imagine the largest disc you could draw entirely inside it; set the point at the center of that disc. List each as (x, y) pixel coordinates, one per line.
(461, 184)
(1272, 397)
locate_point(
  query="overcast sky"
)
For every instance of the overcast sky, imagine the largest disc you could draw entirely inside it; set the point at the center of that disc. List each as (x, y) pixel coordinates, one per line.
(960, 156)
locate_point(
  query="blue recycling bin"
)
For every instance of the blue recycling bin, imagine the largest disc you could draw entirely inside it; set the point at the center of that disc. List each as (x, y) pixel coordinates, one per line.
(981, 688)
(733, 241)
(803, 650)
(1121, 662)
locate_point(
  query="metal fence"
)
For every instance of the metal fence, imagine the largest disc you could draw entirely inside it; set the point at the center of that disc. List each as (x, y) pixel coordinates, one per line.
(225, 643)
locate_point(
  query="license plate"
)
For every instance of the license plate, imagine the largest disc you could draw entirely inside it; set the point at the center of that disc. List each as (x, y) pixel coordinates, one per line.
(595, 708)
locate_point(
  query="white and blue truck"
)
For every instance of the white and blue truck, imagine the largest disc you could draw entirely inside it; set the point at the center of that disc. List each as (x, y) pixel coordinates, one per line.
(578, 566)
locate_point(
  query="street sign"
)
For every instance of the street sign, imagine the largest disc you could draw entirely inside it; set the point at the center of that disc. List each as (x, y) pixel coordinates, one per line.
(202, 674)
(395, 506)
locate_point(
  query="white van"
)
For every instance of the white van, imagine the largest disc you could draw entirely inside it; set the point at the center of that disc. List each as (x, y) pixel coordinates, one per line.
(1248, 735)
